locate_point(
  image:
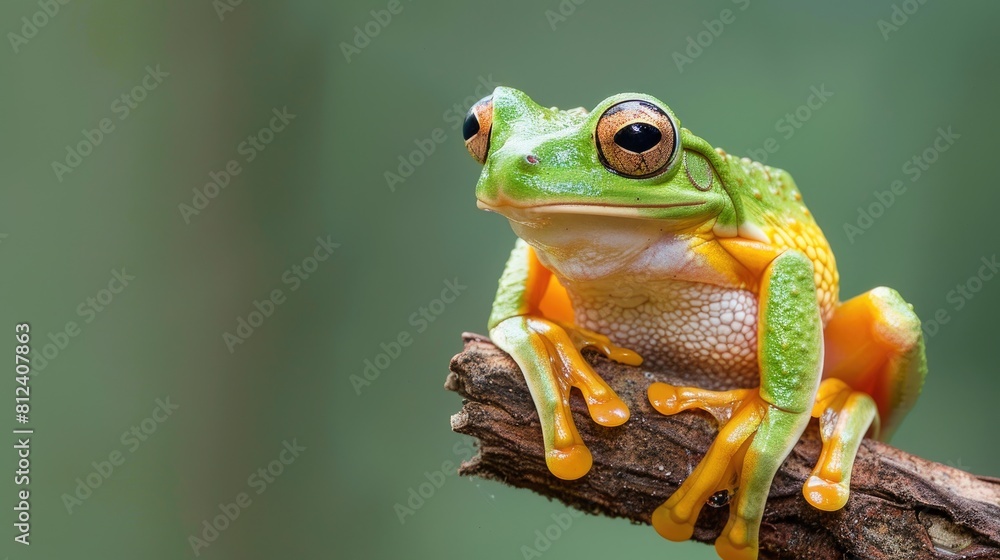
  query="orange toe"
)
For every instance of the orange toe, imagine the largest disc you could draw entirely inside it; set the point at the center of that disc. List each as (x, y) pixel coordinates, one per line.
(612, 412)
(825, 495)
(671, 528)
(664, 399)
(569, 463)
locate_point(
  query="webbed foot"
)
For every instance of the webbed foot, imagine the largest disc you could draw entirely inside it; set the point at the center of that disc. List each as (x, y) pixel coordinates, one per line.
(754, 438)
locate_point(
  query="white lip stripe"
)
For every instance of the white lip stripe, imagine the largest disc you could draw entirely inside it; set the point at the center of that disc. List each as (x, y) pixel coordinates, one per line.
(592, 209)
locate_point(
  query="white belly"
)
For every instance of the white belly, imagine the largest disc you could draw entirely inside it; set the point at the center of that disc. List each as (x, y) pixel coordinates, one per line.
(706, 334)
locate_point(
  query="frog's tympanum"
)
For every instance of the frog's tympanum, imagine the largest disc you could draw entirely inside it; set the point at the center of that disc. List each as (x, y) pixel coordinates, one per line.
(640, 239)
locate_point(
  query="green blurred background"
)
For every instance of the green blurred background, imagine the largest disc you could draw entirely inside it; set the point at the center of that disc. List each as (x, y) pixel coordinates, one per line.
(324, 175)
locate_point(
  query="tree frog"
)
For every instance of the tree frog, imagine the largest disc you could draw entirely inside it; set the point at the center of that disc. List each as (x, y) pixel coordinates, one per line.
(642, 240)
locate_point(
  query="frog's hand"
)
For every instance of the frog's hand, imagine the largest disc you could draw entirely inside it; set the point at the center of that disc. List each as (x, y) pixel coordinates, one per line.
(874, 369)
(759, 426)
(531, 321)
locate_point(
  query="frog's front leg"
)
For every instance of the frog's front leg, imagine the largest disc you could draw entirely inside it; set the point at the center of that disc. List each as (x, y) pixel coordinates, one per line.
(532, 321)
(759, 426)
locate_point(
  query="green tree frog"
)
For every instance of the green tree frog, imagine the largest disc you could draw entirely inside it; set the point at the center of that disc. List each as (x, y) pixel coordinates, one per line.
(640, 239)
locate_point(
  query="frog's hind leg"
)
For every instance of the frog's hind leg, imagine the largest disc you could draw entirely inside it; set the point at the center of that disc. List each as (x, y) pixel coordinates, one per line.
(874, 369)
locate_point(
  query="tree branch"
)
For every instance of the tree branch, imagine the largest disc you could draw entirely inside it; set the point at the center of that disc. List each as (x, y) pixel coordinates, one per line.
(901, 506)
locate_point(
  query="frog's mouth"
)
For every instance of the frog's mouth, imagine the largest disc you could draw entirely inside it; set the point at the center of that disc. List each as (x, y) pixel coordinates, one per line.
(531, 214)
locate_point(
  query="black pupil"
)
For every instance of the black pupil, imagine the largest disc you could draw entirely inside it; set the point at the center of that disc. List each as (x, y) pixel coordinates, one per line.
(637, 137)
(471, 125)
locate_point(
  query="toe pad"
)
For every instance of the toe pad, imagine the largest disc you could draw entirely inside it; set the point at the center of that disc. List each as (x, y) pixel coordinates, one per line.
(569, 463)
(825, 495)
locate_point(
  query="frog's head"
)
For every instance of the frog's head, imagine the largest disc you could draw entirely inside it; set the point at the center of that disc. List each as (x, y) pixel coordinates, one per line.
(568, 180)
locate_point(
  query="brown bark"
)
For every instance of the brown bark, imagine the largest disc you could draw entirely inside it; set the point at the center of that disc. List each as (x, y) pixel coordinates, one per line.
(901, 506)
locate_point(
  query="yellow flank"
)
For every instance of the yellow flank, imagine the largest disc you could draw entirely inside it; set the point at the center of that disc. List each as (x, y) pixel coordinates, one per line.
(774, 203)
(805, 236)
(555, 302)
(783, 217)
(743, 261)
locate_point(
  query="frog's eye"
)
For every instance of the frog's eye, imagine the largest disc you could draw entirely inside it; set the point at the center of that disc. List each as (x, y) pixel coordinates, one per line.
(636, 139)
(476, 129)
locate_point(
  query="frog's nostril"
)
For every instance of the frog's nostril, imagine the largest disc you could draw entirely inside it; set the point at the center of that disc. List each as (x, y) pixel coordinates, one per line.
(531, 159)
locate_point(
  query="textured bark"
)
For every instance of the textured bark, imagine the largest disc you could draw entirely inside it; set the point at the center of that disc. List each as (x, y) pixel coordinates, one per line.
(901, 506)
